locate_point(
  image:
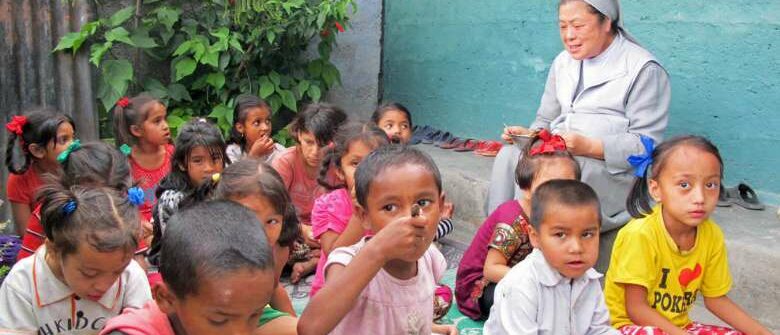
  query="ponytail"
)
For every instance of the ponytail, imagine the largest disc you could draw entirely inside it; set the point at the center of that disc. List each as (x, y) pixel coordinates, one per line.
(329, 160)
(9, 154)
(638, 202)
(130, 112)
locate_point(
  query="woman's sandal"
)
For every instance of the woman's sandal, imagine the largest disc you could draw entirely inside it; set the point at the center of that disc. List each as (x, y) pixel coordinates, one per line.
(468, 145)
(456, 142)
(488, 148)
(743, 195)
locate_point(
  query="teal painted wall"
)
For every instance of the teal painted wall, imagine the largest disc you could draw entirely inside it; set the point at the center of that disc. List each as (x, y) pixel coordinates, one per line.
(470, 66)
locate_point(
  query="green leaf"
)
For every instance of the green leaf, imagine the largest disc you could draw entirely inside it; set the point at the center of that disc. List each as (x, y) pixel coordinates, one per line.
(222, 114)
(271, 37)
(155, 88)
(175, 122)
(121, 16)
(185, 67)
(118, 74)
(288, 99)
(235, 44)
(303, 85)
(275, 78)
(178, 92)
(183, 48)
(119, 34)
(142, 40)
(211, 58)
(314, 93)
(90, 28)
(216, 80)
(97, 51)
(106, 94)
(315, 68)
(69, 40)
(330, 74)
(198, 50)
(276, 102)
(168, 16)
(266, 87)
(224, 61)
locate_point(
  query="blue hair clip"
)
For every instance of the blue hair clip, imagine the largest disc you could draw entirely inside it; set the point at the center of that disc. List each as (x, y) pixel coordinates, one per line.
(642, 162)
(69, 207)
(126, 149)
(136, 196)
(73, 146)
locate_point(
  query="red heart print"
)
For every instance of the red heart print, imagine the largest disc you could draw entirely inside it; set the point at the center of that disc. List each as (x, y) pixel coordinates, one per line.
(688, 275)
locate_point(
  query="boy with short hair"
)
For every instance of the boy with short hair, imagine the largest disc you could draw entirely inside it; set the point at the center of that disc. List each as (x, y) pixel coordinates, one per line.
(555, 290)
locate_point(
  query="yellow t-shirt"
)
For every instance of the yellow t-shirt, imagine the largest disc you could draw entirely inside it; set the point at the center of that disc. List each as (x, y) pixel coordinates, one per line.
(645, 254)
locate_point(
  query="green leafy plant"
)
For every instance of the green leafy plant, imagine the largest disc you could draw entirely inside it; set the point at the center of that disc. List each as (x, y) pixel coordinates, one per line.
(215, 50)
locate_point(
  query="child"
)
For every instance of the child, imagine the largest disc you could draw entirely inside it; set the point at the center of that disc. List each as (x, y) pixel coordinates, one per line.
(218, 274)
(42, 134)
(502, 241)
(385, 284)
(555, 290)
(142, 134)
(85, 272)
(257, 186)
(396, 121)
(672, 251)
(332, 212)
(313, 129)
(199, 154)
(251, 132)
(92, 164)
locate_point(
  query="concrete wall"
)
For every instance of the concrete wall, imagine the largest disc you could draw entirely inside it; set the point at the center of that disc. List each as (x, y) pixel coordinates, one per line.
(357, 56)
(470, 66)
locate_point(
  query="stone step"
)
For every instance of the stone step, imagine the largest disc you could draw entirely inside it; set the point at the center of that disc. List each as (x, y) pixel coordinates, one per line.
(752, 237)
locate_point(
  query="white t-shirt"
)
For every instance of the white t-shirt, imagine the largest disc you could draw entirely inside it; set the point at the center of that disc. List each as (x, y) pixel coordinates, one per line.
(389, 305)
(34, 301)
(235, 153)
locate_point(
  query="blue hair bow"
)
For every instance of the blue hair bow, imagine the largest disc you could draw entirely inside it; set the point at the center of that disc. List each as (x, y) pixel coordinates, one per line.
(136, 196)
(69, 207)
(73, 146)
(642, 162)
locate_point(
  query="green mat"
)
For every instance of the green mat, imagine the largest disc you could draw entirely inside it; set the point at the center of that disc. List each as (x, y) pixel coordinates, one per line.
(465, 325)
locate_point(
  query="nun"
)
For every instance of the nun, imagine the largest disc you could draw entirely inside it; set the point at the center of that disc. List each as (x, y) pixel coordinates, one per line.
(603, 93)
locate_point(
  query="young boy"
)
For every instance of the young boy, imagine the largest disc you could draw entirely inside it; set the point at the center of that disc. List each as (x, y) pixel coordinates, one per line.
(218, 275)
(555, 289)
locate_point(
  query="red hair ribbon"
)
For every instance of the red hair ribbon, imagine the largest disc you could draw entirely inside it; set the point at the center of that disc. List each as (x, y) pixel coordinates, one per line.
(123, 102)
(16, 124)
(550, 144)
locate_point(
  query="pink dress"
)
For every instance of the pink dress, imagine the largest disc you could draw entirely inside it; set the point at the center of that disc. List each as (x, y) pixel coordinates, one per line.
(469, 279)
(389, 305)
(331, 212)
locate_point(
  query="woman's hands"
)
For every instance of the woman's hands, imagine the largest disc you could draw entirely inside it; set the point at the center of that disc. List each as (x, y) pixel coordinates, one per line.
(513, 130)
(581, 145)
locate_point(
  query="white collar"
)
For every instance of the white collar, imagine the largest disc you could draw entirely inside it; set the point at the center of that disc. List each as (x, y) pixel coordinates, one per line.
(551, 277)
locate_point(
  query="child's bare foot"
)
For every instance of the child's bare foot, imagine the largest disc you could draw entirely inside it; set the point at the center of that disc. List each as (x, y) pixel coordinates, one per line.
(447, 210)
(302, 269)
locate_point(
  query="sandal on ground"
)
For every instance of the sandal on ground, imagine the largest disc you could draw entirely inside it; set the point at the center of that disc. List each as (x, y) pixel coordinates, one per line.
(445, 139)
(420, 133)
(468, 145)
(456, 142)
(488, 148)
(432, 136)
(743, 195)
(723, 199)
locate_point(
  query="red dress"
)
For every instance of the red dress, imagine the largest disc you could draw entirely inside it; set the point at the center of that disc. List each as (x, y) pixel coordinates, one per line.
(147, 180)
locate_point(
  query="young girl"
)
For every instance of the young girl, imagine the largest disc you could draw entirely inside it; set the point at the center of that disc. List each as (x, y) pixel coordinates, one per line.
(92, 164)
(41, 135)
(84, 273)
(142, 133)
(251, 132)
(218, 274)
(313, 128)
(257, 186)
(503, 239)
(199, 154)
(396, 121)
(385, 284)
(672, 251)
(332, 212)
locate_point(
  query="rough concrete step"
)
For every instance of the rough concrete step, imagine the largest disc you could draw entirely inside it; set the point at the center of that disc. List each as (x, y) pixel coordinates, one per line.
(752, 237)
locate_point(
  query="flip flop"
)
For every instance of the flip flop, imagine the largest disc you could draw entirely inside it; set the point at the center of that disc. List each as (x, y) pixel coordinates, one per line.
(432, 136)
(723, 199)
(456, 142)
(743, 195)
(468, 145)
(489, 148)
(445, 138)
(420, 133)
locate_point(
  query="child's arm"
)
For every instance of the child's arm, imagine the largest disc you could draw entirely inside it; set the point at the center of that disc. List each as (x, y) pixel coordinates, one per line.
(21, 214)
(280, 299)
(725, 309)
(495, 266)
(343, 284)
(351, 235)
(642, 314)
(444, 329)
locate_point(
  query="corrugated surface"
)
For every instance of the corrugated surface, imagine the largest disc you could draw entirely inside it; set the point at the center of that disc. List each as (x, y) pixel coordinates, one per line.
(30, 75)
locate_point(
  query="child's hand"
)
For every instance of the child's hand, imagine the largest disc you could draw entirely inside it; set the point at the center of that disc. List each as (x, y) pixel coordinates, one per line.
(444, 329)
(308, 237)
(402, 238)
(262, 146)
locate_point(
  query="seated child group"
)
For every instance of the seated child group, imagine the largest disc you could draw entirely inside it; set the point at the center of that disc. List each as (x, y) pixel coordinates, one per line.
(156, 235)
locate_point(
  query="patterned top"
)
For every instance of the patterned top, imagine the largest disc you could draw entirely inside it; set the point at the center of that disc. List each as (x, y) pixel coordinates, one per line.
(512, 240)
